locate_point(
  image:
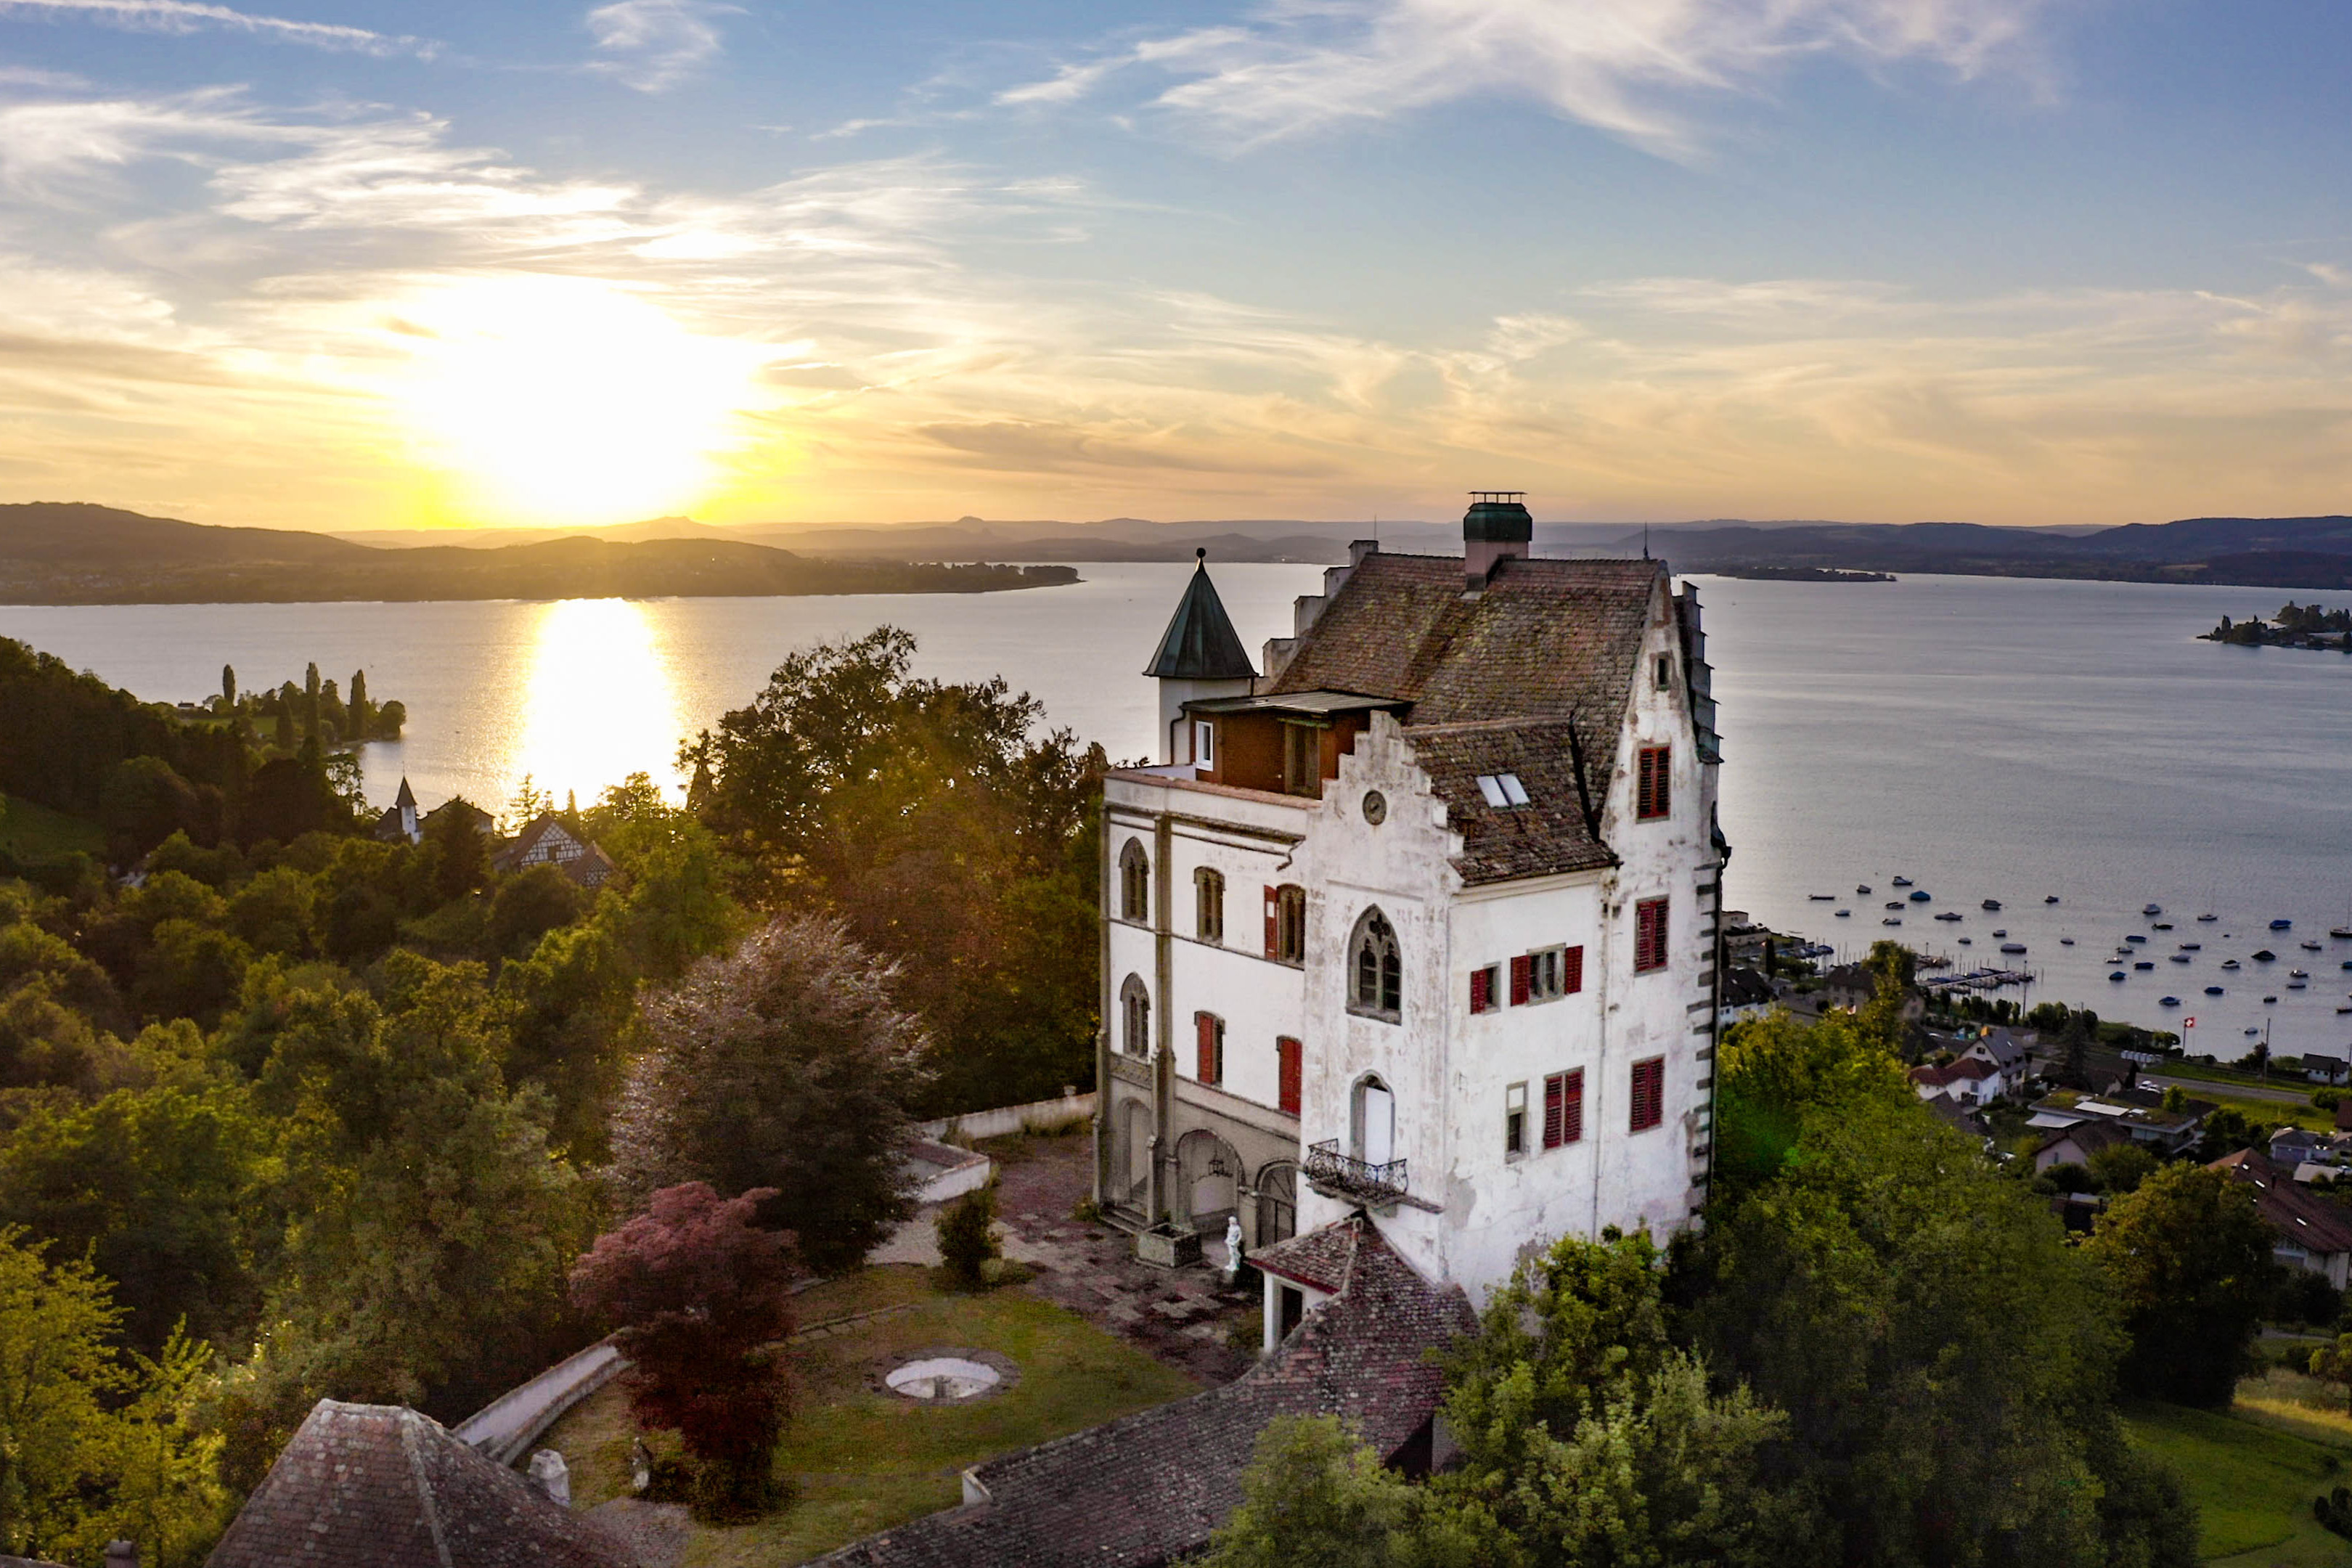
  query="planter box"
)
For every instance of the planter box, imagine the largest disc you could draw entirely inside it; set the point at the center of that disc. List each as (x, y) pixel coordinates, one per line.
(1165, 1247)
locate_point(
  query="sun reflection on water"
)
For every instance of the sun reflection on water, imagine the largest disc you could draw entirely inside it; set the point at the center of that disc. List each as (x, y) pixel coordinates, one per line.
(599, 705)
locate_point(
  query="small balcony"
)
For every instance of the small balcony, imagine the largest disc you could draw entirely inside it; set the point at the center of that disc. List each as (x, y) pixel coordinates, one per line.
(1337, 1176)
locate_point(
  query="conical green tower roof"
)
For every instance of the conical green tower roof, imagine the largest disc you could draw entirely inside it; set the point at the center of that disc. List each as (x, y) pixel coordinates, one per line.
(1201, 643)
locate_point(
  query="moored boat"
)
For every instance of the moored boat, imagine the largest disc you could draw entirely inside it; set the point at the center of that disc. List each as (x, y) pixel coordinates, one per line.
(1990, 904)
(1902, 881)
(2212, 991)
(2013, 947)
(2282, 925)
(2151, 908)
(2168, 1000)
(2118, 974)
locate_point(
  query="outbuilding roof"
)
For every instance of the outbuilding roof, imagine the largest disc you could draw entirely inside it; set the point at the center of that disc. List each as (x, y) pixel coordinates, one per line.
(1549, 835)
(1153, 1487)
(380, 1485)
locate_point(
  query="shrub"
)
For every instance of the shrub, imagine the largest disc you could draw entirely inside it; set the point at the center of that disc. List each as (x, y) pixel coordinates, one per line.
(967, 1238)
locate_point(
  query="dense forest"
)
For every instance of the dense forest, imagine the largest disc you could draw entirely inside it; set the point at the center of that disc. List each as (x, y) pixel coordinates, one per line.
(297, 1111)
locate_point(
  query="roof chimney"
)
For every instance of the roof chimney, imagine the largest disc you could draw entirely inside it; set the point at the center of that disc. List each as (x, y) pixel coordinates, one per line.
(1495, 528)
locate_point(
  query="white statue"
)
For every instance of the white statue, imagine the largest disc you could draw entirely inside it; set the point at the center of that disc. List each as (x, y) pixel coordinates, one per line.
(1233, 1247)
(551, 1476)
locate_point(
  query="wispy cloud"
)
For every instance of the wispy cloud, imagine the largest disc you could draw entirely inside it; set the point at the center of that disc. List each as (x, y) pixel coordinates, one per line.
(653, 44)
(1625, 67)
(188, 17)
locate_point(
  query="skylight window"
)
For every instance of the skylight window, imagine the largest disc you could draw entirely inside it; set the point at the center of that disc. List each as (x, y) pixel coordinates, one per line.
(1503, 790)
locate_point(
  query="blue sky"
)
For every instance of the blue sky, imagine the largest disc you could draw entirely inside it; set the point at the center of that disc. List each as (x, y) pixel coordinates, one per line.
(345, 265)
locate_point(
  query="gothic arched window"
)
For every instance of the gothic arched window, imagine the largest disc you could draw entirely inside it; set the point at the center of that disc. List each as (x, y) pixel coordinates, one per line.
(1135, 1015)
(1134, 882)
(1375, 968)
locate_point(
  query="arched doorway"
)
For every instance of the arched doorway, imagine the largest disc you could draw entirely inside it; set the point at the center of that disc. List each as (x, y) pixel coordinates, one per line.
(1208, 1181)
(1131, 1166)
(1278, 1203)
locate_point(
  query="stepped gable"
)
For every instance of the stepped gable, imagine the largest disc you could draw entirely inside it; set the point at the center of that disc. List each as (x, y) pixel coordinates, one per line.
(380, 1485)
(1153, 1487)
(1545, 838)
(1201, 643)
(1544, 639)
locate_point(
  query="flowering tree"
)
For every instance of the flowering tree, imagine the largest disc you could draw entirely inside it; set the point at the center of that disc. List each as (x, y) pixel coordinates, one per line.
(698, 1293)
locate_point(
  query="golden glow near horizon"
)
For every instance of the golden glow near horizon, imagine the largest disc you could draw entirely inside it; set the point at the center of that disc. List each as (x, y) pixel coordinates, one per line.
(599, 705)
(561, 400)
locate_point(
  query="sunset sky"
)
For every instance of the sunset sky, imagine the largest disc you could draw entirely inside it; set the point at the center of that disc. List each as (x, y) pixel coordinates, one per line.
(345, 265)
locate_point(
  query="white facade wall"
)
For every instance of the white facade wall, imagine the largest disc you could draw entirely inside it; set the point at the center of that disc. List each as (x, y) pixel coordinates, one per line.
(1472, 1210)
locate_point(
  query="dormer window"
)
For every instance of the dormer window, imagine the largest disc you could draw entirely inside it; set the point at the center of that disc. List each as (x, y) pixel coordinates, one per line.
(1666, 670)
(1502, 791)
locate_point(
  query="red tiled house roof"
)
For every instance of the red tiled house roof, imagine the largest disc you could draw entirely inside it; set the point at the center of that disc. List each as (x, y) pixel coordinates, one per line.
(1153, 1487)
(2295, 1212)
(1496, 682)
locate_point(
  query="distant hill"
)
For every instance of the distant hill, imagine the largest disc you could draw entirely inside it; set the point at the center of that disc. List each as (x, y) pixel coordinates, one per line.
(67, 554)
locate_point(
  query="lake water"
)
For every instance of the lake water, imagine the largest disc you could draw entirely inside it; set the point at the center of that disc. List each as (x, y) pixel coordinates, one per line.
(1988, 737)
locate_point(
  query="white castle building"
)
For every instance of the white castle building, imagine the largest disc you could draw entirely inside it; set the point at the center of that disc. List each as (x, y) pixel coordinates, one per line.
(1419, 921)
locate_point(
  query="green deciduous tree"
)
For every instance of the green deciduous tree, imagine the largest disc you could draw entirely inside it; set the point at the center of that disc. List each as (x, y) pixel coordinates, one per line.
(953, 838)
(1315, 1496)
(432, 1226)
(785, 1064)
(2187, 1257)
(1942, 1355)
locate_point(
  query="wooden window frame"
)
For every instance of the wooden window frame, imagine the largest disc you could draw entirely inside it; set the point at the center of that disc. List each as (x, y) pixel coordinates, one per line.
(1135, 1025)
(1376, 962)
(1135, 883)
(1653, 795)
(1515, 1121)
(1646, 1108)
(1289, 1073)
(1209, 904)
(1286, 923)
(1652, 921)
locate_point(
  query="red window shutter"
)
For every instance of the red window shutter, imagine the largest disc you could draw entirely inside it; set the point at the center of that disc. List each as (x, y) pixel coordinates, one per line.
(1273, 921)
(1573, 964)
(1649, 934)
(1522, 979)
(1204, 1026)
(1481, 989)
(1555, 1087)
(1287, 1070)
(1641, 788)
(1571, 1114)
(1649, 1097)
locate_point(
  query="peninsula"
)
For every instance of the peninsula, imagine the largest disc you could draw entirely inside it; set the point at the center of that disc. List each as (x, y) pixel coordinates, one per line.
(2295, 625)
(1803, 574)
(70, 554)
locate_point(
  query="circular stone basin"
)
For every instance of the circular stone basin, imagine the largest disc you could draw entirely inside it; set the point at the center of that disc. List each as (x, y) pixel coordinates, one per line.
(940, 1379)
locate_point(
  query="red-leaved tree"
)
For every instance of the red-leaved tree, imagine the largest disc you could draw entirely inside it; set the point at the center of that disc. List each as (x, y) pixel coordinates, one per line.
(698, 1294)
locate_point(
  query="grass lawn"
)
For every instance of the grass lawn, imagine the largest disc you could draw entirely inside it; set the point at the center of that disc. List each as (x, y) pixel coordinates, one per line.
(2275, 1112)
(2252, 1485)
(32, 832)
(862, 1461)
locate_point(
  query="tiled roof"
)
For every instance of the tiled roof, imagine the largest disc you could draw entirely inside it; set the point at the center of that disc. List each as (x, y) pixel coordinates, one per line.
(2295, 1214)
(1201, 643)
(1967, 1069)
(1547, 638)
(379, 1486)
(1543, 838)
(1320, 1258)
(1153, 1487)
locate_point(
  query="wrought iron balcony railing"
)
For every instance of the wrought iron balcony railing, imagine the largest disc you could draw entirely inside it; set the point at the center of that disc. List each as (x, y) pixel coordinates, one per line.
(1335, 1174)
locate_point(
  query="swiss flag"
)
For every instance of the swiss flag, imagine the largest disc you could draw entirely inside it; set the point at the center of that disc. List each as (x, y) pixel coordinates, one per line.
(2189, 1022)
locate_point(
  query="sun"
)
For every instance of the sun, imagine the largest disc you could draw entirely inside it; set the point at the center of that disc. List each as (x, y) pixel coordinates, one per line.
(565, 400)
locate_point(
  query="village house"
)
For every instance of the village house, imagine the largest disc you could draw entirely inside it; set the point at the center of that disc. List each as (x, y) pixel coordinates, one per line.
(2307, 1231)
(2136, 1113)
(2004, 1051)
(1746, 994)
(1968, 1080)
(546, 841)
(1852, 986)
(1420, 921)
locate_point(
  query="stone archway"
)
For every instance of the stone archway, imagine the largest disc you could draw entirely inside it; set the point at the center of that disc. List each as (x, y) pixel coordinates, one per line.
(1208, 1181)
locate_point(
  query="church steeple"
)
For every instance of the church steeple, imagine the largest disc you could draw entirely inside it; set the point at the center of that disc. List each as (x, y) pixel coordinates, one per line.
(1201, 643)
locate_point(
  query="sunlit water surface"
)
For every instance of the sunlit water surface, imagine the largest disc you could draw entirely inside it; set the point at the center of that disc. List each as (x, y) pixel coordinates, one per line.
(1990, 738)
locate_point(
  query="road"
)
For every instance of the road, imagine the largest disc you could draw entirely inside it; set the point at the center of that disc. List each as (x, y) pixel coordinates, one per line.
(2194, 1086)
